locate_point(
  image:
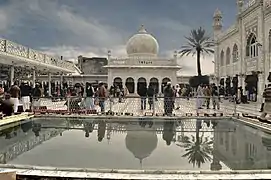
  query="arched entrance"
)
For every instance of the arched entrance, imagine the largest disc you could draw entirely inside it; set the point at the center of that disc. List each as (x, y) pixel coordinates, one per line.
(164, 83)
(141, 83)
(130, 84)
(252, 85)
(118, 82)
(155, 84)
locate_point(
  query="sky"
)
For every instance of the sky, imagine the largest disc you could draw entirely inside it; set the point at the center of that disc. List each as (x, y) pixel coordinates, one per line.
(91, 27)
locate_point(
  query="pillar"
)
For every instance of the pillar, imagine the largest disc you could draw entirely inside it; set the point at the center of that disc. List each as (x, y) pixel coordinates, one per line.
(148, 82)
(33, 78)
(49, 80)
(160, 86)
(261, 84)
(135, 86)
(11, 75)
(61, 80)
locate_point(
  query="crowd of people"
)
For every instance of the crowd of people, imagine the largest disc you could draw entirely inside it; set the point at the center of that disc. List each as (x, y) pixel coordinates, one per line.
(87, 96)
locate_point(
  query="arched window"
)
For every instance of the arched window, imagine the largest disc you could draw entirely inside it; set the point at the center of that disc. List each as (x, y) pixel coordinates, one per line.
(222, 58)
(228, 56)
(235, 55)
(252, 48)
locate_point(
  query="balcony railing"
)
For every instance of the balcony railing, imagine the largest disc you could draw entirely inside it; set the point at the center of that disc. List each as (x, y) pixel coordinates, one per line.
(15, 49)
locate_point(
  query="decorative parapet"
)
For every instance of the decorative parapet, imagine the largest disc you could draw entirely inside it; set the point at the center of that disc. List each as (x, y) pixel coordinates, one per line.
(249, 4)
(228, 32)
(25, 52)
(143, 61)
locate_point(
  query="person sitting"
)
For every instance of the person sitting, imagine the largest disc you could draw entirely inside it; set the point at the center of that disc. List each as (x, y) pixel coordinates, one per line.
(6, 106)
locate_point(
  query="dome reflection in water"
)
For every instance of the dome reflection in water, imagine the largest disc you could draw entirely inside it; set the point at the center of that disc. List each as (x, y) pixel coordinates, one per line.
(188, 144)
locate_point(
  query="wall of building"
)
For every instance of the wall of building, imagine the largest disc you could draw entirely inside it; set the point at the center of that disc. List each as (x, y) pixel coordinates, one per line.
(255, 19)
(92, 65)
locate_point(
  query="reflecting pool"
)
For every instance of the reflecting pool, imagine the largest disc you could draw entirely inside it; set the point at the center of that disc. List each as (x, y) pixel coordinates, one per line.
(144, 144)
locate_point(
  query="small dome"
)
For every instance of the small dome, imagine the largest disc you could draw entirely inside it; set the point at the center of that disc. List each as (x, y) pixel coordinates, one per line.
(141, 141)
(142, 44)
(217, 13)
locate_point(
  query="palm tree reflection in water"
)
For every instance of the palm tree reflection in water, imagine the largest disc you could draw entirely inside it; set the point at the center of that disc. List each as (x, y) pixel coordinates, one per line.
(198, 149)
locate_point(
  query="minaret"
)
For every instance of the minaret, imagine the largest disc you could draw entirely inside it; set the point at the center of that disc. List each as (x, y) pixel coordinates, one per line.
(217, 23)
(109, 55)
(217, 28)
(240, 4)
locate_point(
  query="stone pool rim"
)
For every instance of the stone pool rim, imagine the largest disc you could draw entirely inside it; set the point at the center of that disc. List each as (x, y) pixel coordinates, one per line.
(24, 170)
(45, 171)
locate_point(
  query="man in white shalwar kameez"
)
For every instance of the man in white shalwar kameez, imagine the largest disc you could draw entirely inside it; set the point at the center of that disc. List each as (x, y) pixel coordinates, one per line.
(177, 94)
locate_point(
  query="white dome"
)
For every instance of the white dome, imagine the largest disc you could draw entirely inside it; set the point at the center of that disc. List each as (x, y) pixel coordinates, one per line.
(142, 44)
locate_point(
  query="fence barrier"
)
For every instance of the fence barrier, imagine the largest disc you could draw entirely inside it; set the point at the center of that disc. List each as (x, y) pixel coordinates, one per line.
(138, 106)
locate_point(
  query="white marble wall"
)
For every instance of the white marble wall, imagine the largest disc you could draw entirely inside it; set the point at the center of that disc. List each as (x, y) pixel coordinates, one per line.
(255, 19)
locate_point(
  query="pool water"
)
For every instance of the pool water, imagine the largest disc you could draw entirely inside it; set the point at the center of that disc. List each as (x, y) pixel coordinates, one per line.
(144, 144)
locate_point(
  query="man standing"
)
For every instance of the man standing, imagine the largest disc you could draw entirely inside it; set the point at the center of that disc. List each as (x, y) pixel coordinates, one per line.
(25, 94)
(169, 95)
(102, 94)
(267, 98)
(14, 93)
(177, 94)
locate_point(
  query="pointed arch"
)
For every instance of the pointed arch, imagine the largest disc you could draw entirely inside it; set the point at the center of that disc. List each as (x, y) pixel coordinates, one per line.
(228, 56)
(235, 53)
(222, 58)
(251, 47)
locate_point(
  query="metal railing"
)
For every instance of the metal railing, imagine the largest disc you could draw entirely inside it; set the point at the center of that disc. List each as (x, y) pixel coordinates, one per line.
(138, 106)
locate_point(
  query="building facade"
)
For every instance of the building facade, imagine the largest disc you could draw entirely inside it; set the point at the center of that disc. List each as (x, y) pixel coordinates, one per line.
(242, 52)
(142, 66)
(93, 65)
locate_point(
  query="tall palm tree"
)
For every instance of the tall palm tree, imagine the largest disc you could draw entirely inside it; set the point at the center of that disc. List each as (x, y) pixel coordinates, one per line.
(198, 149)
(197, 43)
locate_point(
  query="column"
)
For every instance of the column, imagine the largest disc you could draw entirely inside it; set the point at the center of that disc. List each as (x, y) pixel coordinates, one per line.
(33, 78)
(49, 80)
(160, 86)
(61, 80)
(148, 82)
(135, 86)
(261, 84)
(11, 75)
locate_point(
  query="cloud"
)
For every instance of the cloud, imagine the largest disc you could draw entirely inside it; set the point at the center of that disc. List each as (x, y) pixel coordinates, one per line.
(72, 28)
(189, 65)
(71, 53)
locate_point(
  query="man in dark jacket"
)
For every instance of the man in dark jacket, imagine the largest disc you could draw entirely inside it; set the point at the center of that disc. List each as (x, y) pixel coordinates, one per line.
(169, 94)
(142, 92)
(26, 92)
(150, 94)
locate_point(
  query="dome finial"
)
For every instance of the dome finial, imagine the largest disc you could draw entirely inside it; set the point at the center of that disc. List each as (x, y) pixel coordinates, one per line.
(142, 29)
(140, 161)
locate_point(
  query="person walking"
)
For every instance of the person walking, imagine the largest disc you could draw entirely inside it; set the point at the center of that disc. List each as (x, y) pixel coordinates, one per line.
(89, 102)
(267, 99)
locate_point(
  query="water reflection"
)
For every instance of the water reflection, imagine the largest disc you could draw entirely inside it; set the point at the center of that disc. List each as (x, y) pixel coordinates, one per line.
(182, 144)
(168, 131)
(101, 130)
(141, 140)
(198, 148)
